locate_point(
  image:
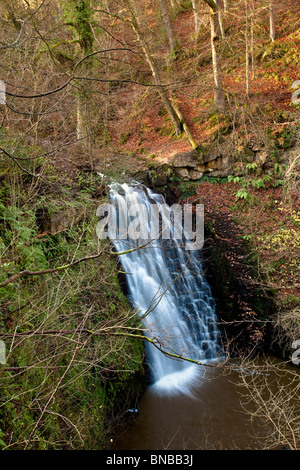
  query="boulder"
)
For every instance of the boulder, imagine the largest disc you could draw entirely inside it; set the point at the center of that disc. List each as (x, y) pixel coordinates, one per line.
(59, 221)
(195, 175)
(212, 165)
(200, 168)
(186, 159)
(221, 173)
(65, 219)
(261, 157)
(226, 162)
(211, 155)
(182, 173)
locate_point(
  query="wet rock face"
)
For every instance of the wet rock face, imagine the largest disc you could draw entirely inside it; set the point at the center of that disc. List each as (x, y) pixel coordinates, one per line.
(157, 179)
(159, 176)
(242, 311)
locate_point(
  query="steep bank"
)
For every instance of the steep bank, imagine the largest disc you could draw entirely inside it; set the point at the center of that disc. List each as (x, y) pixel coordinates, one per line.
(71, 372)
(250, 253)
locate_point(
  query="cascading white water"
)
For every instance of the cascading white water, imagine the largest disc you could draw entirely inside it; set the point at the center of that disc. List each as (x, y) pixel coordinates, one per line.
(167, 286)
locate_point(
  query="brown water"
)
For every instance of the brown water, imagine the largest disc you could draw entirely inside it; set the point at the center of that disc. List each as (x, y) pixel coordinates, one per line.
(210, 416)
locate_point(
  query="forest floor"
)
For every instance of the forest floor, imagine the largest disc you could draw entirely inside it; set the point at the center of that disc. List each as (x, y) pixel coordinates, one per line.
(147, 132)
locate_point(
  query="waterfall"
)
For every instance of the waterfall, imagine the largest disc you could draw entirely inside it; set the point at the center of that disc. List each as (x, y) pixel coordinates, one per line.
(167, 286)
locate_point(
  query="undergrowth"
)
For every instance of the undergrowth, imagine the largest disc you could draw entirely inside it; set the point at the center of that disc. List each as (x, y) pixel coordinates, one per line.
(69, 376)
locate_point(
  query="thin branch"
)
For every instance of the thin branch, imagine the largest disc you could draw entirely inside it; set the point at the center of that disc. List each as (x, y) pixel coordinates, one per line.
(15, 43)
(18, 164)
(166, 353)
(104, 332)
(27, 272)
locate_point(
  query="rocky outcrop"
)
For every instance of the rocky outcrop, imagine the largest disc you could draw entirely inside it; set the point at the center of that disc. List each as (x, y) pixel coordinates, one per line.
(212, 164)
(186, 159)
(191, 166)
(215, 162)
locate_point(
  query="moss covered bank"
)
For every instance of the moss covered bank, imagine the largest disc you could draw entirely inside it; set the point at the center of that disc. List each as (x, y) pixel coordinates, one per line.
(71, 371)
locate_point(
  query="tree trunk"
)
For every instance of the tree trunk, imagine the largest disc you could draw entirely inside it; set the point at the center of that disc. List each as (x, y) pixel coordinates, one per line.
(172, 113)
(272, 21)
(83, 130)
(217, 70)
(218, 3)
(81, 13)
(185, 127)
(174, 4)
(247, 54)
(83, 114)
(196, 18)
(225, 5)
(252, 48)
(161, 90)
(168, 24)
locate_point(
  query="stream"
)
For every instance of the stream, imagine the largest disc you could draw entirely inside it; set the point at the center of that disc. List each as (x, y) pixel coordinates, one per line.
(211, 416)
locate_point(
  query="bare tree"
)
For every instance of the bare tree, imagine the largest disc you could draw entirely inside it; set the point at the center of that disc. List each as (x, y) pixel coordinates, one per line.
(80, 14)
(174, 4)
(196, 17)
(247, 52)
(168, 24)
(172, 109)
(272, 20)
(216, 55)
(218, 2)
(275, 403)
(153, 67)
